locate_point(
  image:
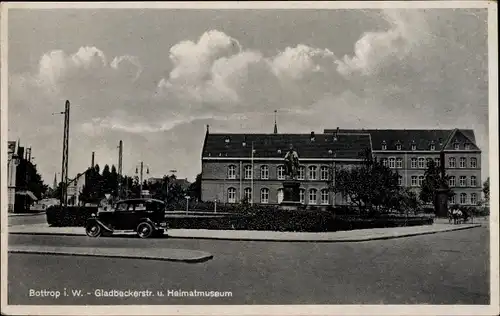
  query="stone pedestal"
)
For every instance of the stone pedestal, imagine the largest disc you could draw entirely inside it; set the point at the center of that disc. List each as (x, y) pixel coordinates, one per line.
(291, 195)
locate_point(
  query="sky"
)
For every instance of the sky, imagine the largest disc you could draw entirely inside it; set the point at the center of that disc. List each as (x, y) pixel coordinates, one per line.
(155, 78)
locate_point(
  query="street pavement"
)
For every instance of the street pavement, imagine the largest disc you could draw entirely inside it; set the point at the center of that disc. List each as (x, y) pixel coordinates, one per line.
(443, 268)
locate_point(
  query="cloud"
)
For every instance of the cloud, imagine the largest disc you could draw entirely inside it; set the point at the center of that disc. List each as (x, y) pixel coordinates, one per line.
(298, 61)
(377, 50)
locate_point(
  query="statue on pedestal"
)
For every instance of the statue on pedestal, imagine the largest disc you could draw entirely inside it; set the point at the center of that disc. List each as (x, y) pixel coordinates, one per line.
(291, 187)
(291, 163)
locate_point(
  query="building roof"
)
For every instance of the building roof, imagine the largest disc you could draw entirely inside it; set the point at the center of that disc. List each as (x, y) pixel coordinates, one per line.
(276, 145)
(422, 138)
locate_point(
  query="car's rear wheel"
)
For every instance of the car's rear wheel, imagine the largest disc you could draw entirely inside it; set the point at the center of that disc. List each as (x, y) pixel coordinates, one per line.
(93, 229)
(145, 230)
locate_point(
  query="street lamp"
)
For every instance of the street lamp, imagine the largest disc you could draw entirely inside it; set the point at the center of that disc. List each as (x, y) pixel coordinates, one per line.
(187, 203)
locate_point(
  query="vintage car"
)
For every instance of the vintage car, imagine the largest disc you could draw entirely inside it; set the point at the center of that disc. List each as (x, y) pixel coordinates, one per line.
(144, 216)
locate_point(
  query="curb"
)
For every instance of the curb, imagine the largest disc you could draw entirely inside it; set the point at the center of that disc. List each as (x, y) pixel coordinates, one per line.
(199, 259)
(272, 239)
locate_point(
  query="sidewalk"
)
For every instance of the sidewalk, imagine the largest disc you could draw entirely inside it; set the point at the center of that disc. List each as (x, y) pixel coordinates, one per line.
(340, 236)
(26, 214)
(176, 255)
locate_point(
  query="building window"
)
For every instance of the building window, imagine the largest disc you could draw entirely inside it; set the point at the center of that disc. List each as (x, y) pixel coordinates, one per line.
(414, 163)
(452, 162)
(248, 194)
(398, 146)
(463, 198)
(324, 173)
(413, 147)
(313, 172)
(452, 182)
(385, 162)
(313, 196)
(231, 172)
(437, 162)
(433, 147)
(399, 163)
(473, 198)
(462, 181)
(280, 195)
(428, 162)
(248, 172)
(231, 195)
(421, 163)
(473, 181)
(463, 162)
(302, 173)
(420, 180)
(456, 146)
(264, 195)
(467, 146)
(264, 172)
(473, 162)
(392, 162)
(281, 172)
(324, 196)
(414, 181)
(384, 146)
(400, 180)
(302, 195)
(453, 199)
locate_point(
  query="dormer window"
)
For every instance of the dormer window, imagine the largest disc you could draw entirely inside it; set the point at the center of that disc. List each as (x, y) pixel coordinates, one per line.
(244, 144)
(413, 146)
(227, 140)
(384, 145)
(279, 151)
(456, 146)
(398, 146)
(432, 146)
(467, 146)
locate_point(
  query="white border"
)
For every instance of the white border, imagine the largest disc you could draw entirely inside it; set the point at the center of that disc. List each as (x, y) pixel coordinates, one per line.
(492, 309)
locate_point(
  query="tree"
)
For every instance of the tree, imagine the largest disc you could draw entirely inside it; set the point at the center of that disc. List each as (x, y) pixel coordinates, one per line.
(433, 181)
(113, 181)
(370, 186)
(486, 190)
(194, 189)
(106, 179)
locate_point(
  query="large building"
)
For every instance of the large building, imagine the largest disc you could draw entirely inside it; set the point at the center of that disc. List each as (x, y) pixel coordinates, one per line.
(409, 150)
(239, 166)
(18, 169)
(250, 166)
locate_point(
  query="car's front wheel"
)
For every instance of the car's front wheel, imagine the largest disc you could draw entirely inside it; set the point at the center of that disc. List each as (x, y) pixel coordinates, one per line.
(145, 230)
(93, 229)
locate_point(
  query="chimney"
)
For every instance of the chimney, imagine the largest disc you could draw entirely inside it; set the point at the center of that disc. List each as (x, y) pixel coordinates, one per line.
(208, 128)
(92, 163)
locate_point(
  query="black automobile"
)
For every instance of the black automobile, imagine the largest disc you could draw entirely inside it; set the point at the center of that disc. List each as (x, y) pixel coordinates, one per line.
(144, 216)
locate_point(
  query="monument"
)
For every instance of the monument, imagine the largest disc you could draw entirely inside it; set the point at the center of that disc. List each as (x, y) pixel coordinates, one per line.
(291, 187)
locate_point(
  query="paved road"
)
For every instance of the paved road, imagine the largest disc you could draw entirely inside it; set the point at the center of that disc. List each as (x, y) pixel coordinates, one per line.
(444, 268)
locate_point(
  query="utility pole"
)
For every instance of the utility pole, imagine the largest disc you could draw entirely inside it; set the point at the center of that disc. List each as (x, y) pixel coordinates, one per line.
(65, 154)
(120, 157)
(141, 179)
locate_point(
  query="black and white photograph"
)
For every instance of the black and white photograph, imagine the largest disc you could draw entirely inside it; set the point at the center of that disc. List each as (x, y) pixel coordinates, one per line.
(249, 158)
